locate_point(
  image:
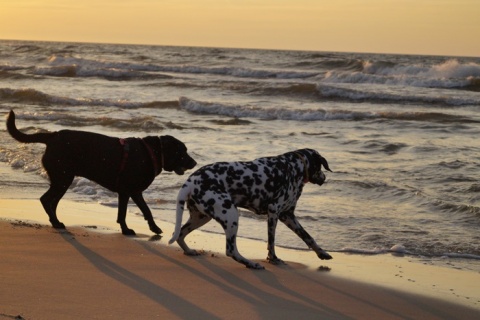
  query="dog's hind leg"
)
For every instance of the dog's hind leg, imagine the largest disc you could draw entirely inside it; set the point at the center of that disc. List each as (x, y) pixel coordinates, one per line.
(292, 223)
(147, 214)
(196, 220)
(122, 214)
(230, 226)
(58, 186)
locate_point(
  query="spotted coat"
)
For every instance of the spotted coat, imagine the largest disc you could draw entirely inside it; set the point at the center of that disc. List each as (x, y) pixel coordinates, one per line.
(267, 186)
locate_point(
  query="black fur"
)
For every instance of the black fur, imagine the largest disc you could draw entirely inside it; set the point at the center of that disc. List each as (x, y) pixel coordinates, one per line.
(123, 166)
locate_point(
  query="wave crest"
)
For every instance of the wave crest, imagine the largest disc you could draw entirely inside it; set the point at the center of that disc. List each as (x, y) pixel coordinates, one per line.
(32, 96)
(240, 111)
(448, 74)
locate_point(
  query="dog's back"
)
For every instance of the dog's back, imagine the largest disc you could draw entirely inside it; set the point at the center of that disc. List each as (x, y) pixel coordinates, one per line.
(251, 185)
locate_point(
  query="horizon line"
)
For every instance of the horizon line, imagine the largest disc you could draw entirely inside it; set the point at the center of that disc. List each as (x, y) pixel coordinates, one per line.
(241, 48)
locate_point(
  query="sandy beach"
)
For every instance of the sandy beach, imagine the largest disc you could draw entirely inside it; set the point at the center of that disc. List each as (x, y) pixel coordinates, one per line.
(91, 271)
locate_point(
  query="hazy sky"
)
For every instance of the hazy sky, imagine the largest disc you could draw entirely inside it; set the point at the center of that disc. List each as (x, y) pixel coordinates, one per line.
(443, 27)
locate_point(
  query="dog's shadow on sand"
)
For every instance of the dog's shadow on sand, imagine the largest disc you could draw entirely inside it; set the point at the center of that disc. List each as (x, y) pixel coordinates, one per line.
(269, 292)
(247, 290)
(178, 305)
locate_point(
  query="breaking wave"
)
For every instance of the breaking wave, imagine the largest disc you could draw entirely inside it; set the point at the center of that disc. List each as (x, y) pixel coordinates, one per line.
(241, 111)
(32, 96)
(448, 74)
(60, 65)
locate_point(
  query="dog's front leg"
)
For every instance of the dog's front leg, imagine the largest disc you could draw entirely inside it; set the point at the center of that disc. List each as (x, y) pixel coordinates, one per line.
(289, 219)
(147, 214)
(272, 226)
(122, 214)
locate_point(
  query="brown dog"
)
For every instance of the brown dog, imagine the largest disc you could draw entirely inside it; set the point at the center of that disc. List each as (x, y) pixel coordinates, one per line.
(126, 166)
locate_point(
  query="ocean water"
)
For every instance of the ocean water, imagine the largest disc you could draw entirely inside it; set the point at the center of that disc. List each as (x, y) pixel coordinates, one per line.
(401, 133)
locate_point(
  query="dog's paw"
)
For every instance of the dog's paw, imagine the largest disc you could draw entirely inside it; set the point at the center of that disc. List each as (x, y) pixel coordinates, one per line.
(323, 255)
(155, 229)
(58, 225)
(128, 232)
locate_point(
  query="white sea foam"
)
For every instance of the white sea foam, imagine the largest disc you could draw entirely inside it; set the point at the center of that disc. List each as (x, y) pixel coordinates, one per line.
(241, 111)
(448, 74)
(398, 248)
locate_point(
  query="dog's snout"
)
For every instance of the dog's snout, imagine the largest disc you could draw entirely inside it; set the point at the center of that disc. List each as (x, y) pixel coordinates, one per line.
(319, 178)
(190, 164)
(193, 163)
(322, 176)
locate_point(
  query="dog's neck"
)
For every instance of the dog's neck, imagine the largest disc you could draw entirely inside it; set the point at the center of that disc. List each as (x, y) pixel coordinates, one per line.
(154, 157)
(162, 162)
(306, 177)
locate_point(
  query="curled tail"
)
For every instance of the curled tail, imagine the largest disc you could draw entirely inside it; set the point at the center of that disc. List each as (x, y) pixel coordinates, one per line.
(22, 137)
(182, 197)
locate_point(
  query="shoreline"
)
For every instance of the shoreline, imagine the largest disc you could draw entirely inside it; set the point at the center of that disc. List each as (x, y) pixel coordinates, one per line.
(384, 272)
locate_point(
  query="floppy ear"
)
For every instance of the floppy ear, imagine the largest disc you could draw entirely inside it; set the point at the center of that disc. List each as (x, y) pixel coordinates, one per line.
(324, 162)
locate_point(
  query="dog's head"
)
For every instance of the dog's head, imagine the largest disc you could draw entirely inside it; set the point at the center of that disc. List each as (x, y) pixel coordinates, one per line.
(315, 163)
(174, 155)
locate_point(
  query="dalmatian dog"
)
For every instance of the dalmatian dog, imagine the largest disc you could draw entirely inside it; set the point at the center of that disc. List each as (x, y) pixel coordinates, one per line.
(267, 186)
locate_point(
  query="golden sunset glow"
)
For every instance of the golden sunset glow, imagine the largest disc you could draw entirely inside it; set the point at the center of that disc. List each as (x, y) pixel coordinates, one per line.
(443, 27)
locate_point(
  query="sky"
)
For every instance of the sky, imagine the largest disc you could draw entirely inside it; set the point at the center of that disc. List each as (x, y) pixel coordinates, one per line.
(434, 27)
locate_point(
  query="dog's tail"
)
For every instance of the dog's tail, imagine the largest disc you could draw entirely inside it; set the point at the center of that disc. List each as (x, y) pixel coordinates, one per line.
(22, 137)
(182, 198)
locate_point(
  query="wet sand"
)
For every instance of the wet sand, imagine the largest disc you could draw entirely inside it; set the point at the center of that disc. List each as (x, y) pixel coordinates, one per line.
(92, 271)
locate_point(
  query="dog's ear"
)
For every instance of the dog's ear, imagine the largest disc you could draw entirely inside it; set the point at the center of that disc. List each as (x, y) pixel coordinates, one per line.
(169, 141)
(324, 162)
